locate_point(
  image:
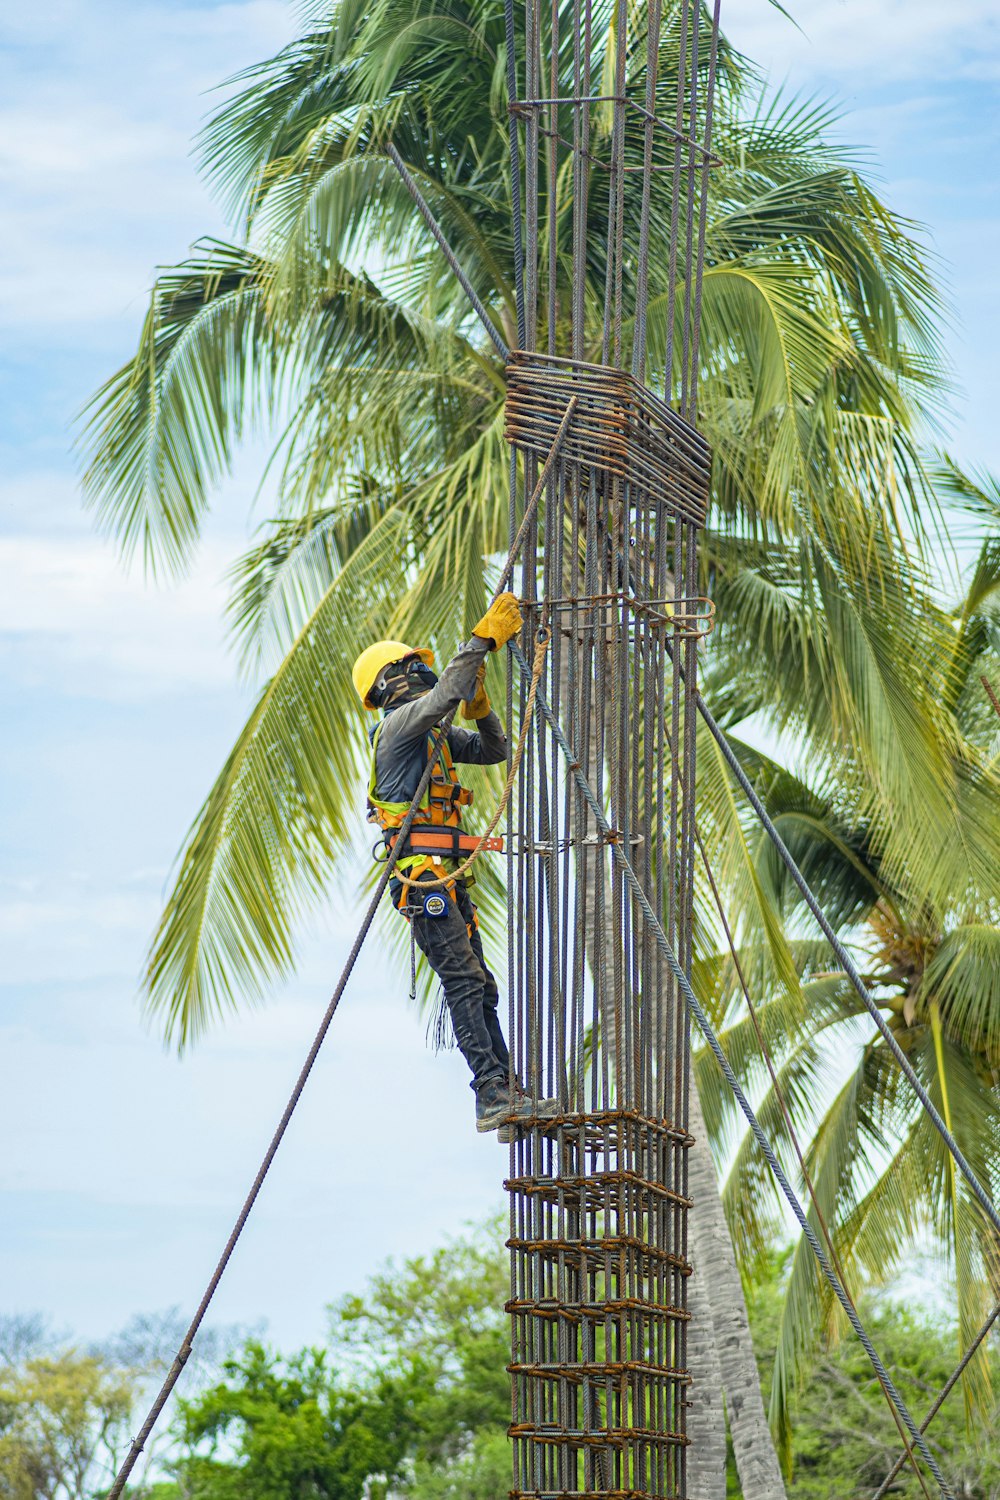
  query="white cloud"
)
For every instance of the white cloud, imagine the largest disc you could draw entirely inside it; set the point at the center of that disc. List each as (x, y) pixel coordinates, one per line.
(95, 146)
(853, 40)
(41, 501)
(70, 612)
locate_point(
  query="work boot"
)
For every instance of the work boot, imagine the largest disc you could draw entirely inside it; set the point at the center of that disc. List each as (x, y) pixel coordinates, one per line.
(544, 1109)
(541, 1109)
(494, 1105)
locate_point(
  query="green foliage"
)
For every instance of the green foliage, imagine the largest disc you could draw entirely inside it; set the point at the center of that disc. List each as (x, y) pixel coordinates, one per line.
(484, 1473)
(819, 363)
(928, 949)
(421, 1400)
(64, 1425)
(844, 1440)
(288, 1428)
(883, 1180)
(412, 1391)
(411, 1398)
(436, 1326)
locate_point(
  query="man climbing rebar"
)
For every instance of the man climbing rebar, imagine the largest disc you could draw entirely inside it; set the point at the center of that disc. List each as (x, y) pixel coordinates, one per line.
(399, 680)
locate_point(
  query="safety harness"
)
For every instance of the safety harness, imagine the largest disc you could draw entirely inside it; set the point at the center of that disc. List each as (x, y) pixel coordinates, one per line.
(437, 834)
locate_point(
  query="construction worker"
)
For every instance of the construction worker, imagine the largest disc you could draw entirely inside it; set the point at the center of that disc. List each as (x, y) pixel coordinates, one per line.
(398, 680)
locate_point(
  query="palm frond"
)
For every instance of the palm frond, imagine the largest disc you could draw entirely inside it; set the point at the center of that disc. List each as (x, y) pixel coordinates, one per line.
(263, 846)
(964, 978)
(161, 432)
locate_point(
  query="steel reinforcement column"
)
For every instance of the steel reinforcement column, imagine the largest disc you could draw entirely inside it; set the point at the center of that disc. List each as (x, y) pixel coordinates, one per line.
(598, 1189)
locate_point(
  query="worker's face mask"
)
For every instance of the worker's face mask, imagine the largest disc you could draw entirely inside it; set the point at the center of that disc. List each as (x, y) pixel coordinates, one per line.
(419, 676)
(403, 679)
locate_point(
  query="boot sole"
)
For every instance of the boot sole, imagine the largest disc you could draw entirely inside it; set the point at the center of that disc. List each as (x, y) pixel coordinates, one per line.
(503, 1119)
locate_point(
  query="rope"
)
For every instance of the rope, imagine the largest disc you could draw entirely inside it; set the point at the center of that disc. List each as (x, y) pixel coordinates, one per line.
(705, 1026)
(536, 672)
(413, 964)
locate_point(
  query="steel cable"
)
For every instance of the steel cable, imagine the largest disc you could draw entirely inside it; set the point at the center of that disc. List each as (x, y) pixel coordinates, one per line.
(941, 1397)
(850, 969)
(703, 210)
(423, 207)
(515, 169)
(180, 1359)
(654, 21)
(388, 866)
(792, 1133)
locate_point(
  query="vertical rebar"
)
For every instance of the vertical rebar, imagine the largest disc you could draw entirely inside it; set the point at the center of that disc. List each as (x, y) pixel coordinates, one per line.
(598, 1190)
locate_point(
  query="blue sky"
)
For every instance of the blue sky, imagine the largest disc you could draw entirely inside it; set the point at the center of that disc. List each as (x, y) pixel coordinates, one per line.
(123, 1166)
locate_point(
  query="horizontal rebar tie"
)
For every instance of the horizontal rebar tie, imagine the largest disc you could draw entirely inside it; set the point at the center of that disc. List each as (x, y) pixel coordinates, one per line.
(606, 1369)
(620, 430)
(595, 1494)
(611, 1437)
(580, 1191)
(607, 1129)
(619, 1253)
(581, 1312)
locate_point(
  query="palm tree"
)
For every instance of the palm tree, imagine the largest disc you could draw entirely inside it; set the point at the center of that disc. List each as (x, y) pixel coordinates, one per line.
(817, 317)
(333, 319)
(930, 952)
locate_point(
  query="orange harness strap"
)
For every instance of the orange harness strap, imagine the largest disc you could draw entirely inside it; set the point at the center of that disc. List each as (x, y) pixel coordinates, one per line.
(446, 843)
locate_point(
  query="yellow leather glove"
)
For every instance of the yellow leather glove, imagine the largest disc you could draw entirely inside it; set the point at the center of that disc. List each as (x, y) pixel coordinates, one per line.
(501, 621)
(478, 706)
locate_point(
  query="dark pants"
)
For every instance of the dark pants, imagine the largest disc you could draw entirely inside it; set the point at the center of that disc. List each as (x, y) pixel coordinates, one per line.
(454, 951)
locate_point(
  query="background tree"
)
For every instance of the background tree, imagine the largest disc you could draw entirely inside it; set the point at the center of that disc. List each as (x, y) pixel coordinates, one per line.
(293, 1432)
(931, 956)
(411, 1395)
(64, 1423)
(843, 1439)
(408, 1394)
(68, 1412)
(274, 1428)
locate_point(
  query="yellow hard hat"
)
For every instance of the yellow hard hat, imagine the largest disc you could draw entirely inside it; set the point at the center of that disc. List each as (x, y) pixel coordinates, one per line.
(374, 659)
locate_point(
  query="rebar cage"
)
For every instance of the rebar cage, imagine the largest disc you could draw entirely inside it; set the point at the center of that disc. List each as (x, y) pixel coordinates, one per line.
(598, 1197)
(609, 576)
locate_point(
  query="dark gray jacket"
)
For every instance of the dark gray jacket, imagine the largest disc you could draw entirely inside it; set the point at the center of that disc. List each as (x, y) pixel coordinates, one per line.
(401, 753)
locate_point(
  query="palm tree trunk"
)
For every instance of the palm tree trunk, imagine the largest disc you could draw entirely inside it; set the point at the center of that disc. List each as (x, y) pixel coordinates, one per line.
(712, 1253)
(706, 1422)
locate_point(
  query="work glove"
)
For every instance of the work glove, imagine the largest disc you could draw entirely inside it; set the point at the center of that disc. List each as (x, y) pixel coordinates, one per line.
(501, 621)
(478, 706)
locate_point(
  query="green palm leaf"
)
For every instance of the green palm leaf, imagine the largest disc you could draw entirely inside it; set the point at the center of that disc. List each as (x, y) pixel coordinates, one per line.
(163, 429)
(263, 845)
